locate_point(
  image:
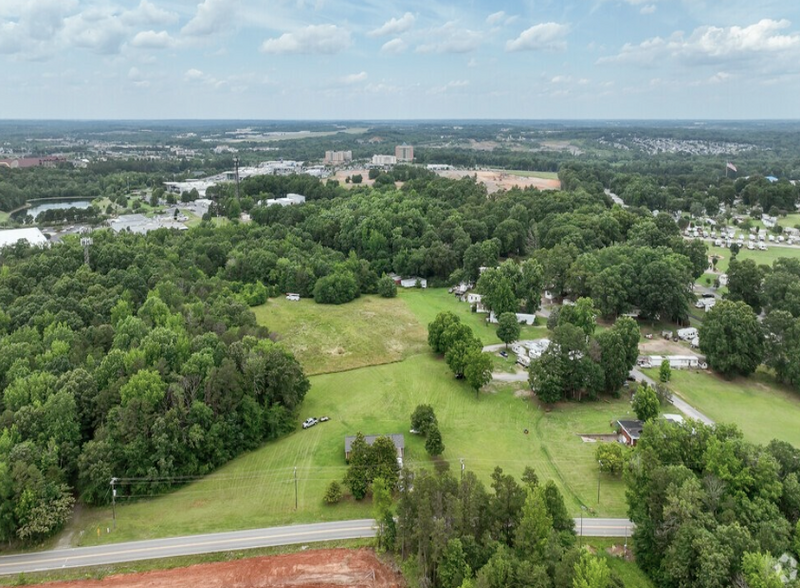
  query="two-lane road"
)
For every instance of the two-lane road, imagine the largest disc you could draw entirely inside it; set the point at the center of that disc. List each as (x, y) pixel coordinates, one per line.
(233, 541)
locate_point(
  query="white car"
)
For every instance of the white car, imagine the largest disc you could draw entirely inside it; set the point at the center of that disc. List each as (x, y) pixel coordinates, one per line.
(309, 422)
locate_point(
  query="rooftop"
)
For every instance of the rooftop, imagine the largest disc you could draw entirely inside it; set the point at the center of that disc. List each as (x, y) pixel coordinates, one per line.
(32, 235)
(632, 428)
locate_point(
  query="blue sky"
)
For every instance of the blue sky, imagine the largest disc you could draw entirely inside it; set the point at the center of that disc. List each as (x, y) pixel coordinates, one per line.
(326, 59)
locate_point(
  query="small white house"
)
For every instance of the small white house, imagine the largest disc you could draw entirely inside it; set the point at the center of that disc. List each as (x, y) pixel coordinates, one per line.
(705, 303)
(676, 362)
(723, 280)
(532, 349)
(412, 282)
(688, 333)
(528, 319)
(292, 297)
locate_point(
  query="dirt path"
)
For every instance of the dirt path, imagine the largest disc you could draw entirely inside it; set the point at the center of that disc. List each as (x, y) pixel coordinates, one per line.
(329, 568)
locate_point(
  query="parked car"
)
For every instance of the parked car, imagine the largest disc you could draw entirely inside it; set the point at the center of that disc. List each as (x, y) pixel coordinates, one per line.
(309, 422)
(503, 354)
(323, 419)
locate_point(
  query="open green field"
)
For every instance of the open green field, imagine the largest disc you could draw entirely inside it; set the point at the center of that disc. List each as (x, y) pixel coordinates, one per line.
(762, 408)
(532, 174)
(426, 304)
(388, 337)
(332, 338)
(790, 220)
(257, 489)
(760, 257)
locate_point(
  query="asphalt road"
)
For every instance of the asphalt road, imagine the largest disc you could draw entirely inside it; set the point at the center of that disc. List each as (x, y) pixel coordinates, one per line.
(233, 541)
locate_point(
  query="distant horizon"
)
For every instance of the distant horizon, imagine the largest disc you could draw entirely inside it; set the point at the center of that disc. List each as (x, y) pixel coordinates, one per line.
(413, 60)
(402, 120)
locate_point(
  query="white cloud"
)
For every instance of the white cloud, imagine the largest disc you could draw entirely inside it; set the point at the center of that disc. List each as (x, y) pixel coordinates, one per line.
(648, 9)
(354, 78)
(153, 40)
(212, 16)
(719, 77)
(194, 75)
(495, 18)
(500, 18)
(34, 26)
(547, 36)
(450, 39)
(394, 26)
(394, 46)
(148, 14)
(454, 84)
(708, 44)
(326, 39)
(97, 30)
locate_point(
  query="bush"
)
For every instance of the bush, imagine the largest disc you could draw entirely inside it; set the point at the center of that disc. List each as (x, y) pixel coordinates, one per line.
(387, 287)
(333, 494)
(433, 443)
(612, 457)
(336, 288)
(423, 419)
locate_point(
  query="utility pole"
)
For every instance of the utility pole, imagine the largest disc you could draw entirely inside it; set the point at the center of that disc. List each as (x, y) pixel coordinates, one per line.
(599, 470)
(295, 487)
(462, 467)
(114, 501)
(236, 172)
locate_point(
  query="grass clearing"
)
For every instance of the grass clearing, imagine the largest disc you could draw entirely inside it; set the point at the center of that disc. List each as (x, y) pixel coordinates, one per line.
(627, 570)
(330, 338)
(758, 405)
(257, 489)
(532, 174)
(760, 257)
(426, 304)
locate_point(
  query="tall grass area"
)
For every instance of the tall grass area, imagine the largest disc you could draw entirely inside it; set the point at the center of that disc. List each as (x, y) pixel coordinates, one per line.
(258, 489)
(330, 338)
(762, 408)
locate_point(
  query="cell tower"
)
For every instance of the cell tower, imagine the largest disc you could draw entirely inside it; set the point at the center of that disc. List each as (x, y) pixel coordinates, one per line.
(86, 241)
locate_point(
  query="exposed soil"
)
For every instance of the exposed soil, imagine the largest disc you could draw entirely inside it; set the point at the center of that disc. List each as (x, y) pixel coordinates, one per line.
(496, 180)
(310, 569)
(660, 346)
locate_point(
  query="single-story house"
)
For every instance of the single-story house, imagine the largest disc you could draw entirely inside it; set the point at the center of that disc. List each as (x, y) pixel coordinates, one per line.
(522, 317)
(688, 333)
(398, 440)
(705, 303)
(292, 296)
(676, 362)
(533, 349)
(461, 289)
(629, 431)
(412, 282)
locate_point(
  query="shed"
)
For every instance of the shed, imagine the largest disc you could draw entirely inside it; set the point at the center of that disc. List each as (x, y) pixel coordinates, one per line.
(398, 440)
(629, 431)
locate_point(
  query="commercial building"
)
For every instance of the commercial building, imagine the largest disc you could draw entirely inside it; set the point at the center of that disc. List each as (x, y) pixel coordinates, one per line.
(404, 153)
(384, 160)
(31, 236)
(337, 157)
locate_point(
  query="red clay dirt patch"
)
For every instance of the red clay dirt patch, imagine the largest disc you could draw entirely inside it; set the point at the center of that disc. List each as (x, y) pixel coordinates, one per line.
(329, 568)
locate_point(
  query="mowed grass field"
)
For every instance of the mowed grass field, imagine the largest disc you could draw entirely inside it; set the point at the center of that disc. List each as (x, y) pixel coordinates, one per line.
(760, 257)
(330, 338)
(758, 405)
(426, 304)
(257, 489)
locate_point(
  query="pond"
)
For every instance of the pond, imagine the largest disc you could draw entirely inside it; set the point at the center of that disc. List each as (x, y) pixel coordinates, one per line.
(39, 206)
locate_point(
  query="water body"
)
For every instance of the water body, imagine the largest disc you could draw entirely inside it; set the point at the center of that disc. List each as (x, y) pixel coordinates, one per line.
(42, 205)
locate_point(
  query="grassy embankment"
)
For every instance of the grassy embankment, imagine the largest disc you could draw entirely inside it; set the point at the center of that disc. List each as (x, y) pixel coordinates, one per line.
(761, 407)
(258, 489)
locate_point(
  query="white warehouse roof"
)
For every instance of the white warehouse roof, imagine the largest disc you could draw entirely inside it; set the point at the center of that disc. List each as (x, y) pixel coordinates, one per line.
(33, 236)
